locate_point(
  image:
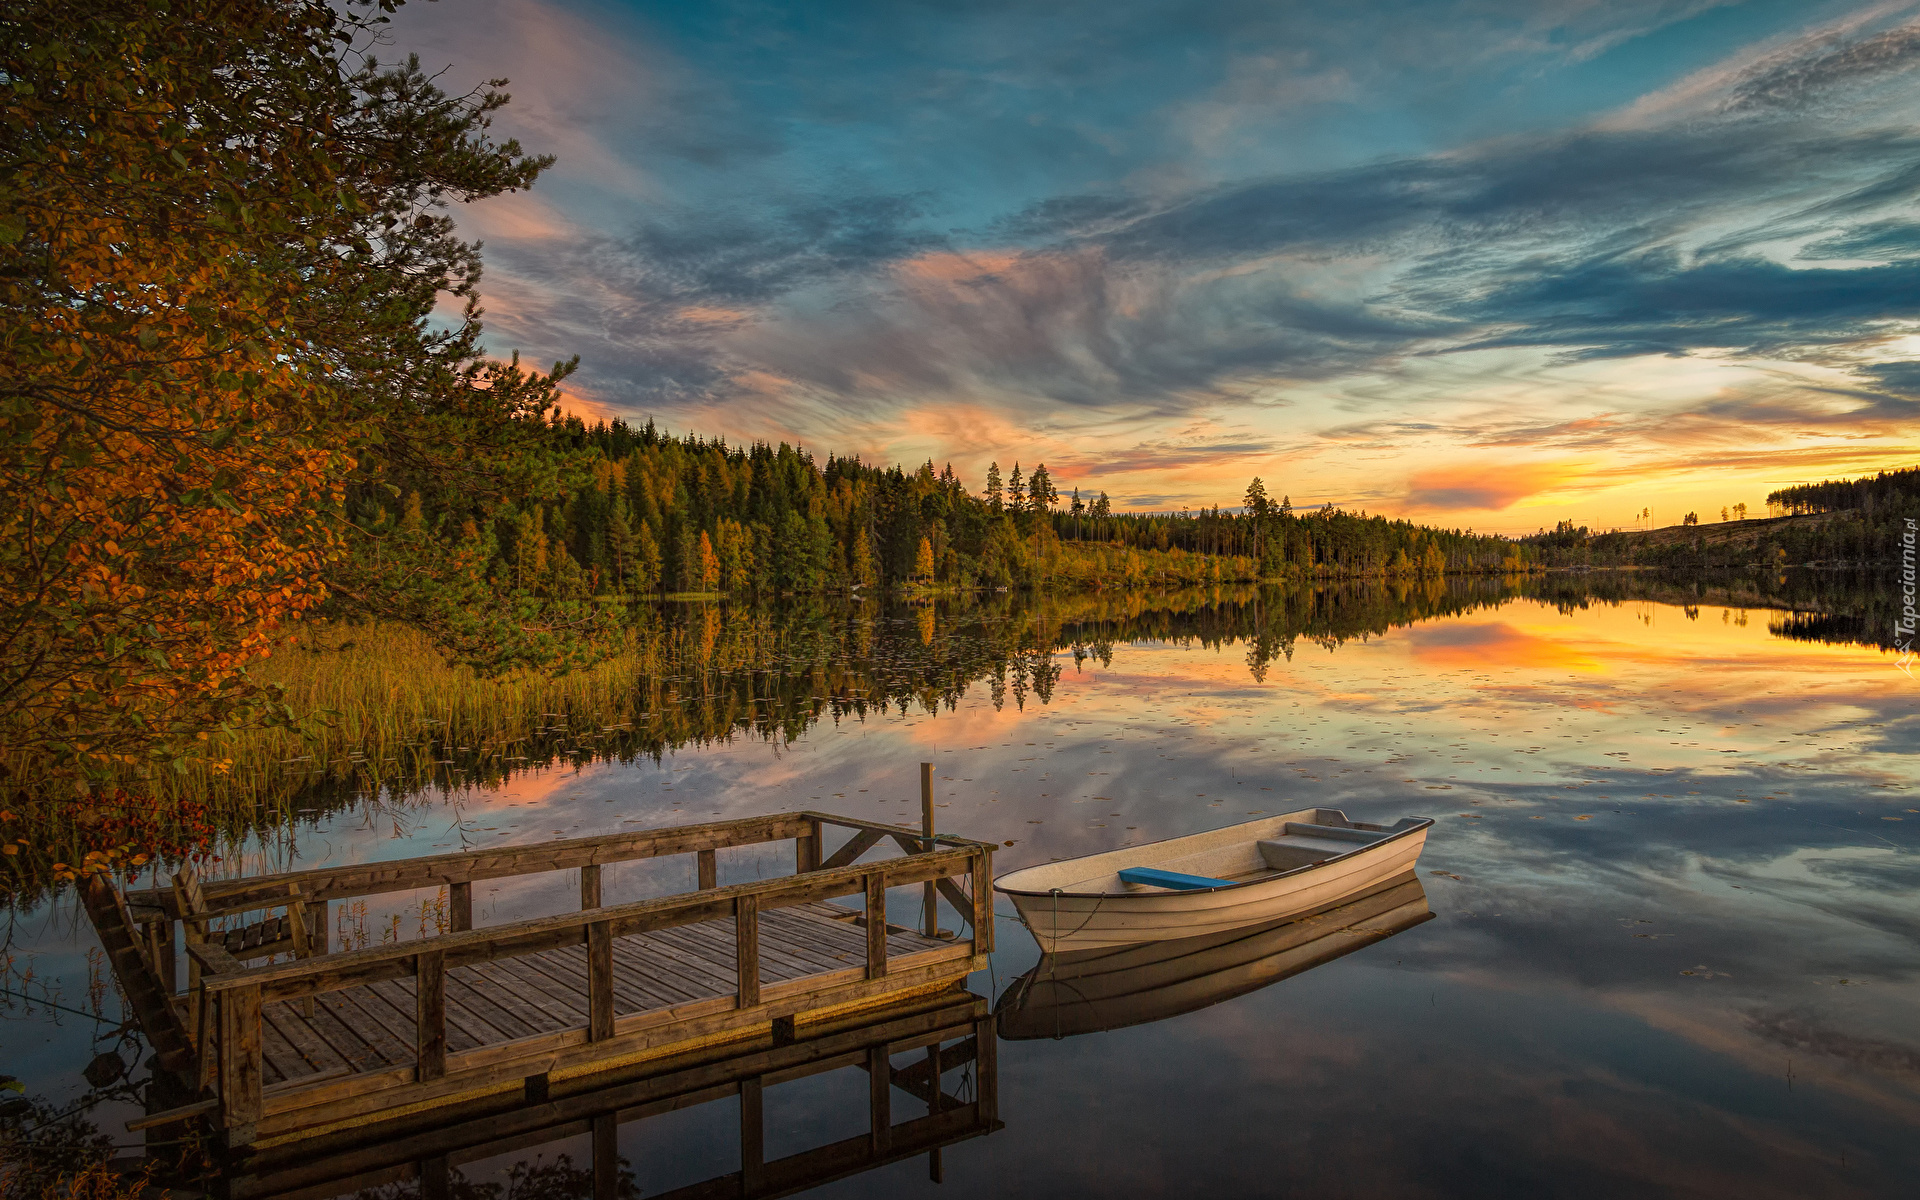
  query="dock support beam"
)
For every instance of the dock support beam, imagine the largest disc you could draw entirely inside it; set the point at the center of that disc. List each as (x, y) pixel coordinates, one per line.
(240, 1064)
(606, 1156)
(929, 894)
(806, 850)
(876, 925)
(753, 1154)
(599, 981)
(746, 948)
(879, 1100)
(430, 1004)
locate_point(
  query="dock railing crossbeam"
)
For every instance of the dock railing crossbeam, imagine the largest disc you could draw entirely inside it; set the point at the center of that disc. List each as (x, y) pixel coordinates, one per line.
(232, 993)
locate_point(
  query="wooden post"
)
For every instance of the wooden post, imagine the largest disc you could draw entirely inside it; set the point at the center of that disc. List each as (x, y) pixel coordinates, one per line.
(986, 1069)
(709, 869)
(753, 1152)
(599, 981)
(606, 1156)
(929, 893)
(746, 949)
(201, 1006)
(300, 929)
(240, 1064)
(879, 1100)
(934, 1098)
(460, 901)
(980, 868)
(806, 850)
(436, 1178)
(430, 1014)
(590, 886)
(156, 938)
(877, 925)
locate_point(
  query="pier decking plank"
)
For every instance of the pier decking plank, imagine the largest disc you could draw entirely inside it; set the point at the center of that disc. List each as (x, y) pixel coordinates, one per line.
(372, 1027)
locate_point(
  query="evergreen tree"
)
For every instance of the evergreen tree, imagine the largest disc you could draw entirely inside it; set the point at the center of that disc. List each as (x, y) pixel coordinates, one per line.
(1041, 495)
(622, 542)
(1256, 505)
(862, 566)
(646, 562)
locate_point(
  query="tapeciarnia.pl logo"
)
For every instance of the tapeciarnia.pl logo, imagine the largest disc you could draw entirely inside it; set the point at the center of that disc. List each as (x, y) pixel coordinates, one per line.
(1903, 625)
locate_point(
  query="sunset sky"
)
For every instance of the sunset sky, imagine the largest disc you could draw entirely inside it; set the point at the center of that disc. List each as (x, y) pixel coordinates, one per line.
(1483, 264)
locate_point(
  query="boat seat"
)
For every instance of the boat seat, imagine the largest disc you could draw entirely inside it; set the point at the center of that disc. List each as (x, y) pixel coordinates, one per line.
(1286, 853)
(1173, 880)
(1335, 832)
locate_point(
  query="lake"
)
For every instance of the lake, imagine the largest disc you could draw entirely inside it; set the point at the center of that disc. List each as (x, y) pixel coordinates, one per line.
(1675, 878)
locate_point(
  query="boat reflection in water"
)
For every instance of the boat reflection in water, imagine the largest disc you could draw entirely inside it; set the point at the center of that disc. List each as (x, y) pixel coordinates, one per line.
(1088, 991)
(938, 1049)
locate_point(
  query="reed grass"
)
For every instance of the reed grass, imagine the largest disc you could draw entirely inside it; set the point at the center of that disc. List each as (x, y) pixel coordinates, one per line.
(374, 698)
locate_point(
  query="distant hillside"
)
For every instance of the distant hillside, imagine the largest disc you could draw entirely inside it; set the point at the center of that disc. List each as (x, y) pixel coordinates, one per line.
(1837, 523)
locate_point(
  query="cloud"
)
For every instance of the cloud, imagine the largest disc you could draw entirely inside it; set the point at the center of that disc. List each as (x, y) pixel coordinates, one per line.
(1805, 72)
(756, 255)
(1802, 1032)
(1655, 302)
(1874, 240)
(1899, 377)
(1159, 250)
(1571, 244)
(1491, 645)
(1492, 486)
(1782, 73)
(1166, 456)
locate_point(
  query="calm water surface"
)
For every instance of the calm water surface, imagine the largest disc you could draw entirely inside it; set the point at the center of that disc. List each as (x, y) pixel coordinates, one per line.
(1675, 872)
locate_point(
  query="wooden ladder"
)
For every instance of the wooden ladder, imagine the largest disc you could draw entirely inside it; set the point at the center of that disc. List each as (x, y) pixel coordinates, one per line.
(151, 1000)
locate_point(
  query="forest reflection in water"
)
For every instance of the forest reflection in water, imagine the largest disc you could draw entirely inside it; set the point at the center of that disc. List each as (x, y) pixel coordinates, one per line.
(770, 673)
(1674, 879)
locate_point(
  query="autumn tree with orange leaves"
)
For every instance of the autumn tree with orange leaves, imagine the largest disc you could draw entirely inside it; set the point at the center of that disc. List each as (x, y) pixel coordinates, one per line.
(223, 230)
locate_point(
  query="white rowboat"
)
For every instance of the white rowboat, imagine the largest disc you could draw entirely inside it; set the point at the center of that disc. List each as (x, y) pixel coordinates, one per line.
(1094, 990)
(1263, 870)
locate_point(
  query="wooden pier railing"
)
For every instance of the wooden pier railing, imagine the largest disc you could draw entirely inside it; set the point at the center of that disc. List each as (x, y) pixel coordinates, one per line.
(518, 1002)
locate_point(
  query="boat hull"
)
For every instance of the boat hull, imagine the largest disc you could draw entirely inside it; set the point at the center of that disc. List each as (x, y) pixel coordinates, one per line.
(1069, 921)
(1098, 990)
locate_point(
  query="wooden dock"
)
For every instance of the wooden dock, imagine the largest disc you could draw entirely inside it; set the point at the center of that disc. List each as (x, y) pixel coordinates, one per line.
(937, 1050)
(320, 1039)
